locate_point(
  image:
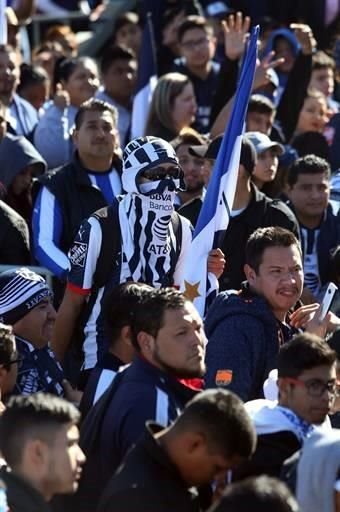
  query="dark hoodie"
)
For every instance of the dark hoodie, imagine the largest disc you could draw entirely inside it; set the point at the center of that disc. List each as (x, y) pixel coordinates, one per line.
(294, 43)
(16, 153)
(243, 343)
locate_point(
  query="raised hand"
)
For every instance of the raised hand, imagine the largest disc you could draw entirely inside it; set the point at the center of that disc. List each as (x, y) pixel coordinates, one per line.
(236, 33)
(61, 98)
(262, 77)
(305, 37)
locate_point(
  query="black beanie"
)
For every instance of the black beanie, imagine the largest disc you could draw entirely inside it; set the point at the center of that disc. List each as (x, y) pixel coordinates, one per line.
(20, 291)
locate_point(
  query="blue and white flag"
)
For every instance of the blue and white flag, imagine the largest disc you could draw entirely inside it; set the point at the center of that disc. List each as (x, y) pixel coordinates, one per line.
(3, 22)
(146, 81)
(198, 285)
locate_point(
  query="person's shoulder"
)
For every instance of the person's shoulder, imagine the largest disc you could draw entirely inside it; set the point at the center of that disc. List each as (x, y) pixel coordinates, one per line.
(10, 216)
(186, 224)
(279, 210)
(26, 105)
(240, 311)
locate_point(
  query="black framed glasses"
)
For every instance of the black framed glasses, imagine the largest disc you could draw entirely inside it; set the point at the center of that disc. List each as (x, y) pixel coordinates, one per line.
(317, 387)
(161, 173)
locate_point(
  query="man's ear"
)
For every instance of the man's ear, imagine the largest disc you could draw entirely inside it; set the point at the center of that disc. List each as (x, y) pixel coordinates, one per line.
(75, 137)
(194, 442)
(250, 274)
(287, 189)
(125, 335)
(36, 452)
(283, 387)
(145, 342)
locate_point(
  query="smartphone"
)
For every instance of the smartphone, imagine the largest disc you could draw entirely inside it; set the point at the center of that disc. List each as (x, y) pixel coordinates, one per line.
(327, 300)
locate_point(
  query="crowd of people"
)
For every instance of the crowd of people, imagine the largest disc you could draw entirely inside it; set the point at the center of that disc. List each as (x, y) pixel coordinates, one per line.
(115, 394)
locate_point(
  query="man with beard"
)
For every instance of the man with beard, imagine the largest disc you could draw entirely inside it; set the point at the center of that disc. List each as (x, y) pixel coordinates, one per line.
(167, 334)
(145, 241)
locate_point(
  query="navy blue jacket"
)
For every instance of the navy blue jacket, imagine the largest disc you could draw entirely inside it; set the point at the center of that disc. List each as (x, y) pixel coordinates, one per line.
(148, 481)
(139, 393)
(145, 393)
(204, 92)
(100, 379)
(243, 337)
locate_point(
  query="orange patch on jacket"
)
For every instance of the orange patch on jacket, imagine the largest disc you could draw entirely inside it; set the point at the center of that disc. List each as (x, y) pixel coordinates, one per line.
(223, 377)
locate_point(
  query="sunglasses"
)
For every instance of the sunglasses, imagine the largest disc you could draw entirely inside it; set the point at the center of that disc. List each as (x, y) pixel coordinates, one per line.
(161, 173)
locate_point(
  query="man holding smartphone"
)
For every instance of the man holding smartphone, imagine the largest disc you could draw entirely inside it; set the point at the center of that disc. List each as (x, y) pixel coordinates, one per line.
(245, 330)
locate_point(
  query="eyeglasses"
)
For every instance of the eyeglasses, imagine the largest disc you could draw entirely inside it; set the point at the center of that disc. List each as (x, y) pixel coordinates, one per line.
(191, 45)
(161, 173)
(316, 387)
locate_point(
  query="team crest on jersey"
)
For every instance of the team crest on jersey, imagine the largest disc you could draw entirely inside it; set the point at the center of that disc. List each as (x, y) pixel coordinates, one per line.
(77, 254)
(223, 377)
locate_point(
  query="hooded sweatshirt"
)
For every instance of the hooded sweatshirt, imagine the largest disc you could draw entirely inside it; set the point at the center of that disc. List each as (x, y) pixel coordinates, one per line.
(243, 343)
(295, 45)
(319, 463)
(16, 153)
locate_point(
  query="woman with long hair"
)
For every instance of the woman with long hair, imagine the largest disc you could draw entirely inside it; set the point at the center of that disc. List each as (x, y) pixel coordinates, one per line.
(173, 106)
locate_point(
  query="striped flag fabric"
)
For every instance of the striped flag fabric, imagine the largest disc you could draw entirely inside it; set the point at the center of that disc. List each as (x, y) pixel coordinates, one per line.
(146, 80)
(198, 285)
(3, 22)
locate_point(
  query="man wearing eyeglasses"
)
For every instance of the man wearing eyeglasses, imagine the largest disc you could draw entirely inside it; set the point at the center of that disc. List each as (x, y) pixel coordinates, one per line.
(146, 241)
(307, 391)
(197, 46)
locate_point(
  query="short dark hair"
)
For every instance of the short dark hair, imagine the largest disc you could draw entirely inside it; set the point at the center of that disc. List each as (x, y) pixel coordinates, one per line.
(261, 104)
(188, 137)
(309, 164)
(223, 420)
(308, 143)
(7, 344)
(113, 53)
(304, 352)
(120, 305)
(262, 493)
(192, 22)
(321, 60)
(36, 416)
(94, 105)
(262, 239)
(31, 75)
(65, 67)
(149, 317)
